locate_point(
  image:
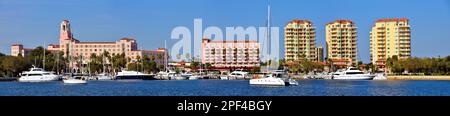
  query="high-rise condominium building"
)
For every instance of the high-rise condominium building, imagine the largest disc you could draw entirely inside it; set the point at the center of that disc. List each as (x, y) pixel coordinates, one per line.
(300, 40)
(388, 38)
(341, 43)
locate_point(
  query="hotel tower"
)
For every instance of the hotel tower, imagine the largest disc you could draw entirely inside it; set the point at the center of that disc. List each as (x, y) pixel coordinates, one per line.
(390, 37)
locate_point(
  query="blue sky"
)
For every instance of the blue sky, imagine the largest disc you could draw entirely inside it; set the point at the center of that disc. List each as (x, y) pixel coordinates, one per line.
(31, 22)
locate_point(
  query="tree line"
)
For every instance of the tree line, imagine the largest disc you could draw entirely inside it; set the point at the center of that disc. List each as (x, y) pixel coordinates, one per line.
(415, 65)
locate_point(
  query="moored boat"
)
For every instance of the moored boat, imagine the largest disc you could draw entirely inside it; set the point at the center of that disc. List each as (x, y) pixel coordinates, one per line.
(351, 73)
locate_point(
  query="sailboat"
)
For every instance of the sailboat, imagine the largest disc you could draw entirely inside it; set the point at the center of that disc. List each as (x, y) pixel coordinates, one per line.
(104, 75)
(72, 78)
(277, 77)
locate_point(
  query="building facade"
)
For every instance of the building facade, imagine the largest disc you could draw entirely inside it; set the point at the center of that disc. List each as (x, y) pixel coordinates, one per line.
(341, 43)
(319, 54)
(75, 48)
(19, 50)
(235, 54)
(300, 40)
(388, 38)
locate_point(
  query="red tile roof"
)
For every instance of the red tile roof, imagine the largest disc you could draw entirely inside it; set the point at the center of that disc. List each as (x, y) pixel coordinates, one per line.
(300, 21)
(340, 21)
(393, 20)
(55, 46)
(96, 42)
(126, 39)
(17, 45)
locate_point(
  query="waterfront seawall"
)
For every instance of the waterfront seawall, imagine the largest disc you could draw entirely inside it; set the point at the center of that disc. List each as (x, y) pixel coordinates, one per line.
(407, 77)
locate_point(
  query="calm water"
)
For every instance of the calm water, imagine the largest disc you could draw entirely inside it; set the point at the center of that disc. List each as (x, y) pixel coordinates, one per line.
(228, 88)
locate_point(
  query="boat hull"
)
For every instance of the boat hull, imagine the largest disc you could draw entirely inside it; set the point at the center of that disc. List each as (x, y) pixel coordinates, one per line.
(344, 77)
(194, 78)
(136, 77)
(39, 79)
(181, 78)
(270, 82)
(75, 81)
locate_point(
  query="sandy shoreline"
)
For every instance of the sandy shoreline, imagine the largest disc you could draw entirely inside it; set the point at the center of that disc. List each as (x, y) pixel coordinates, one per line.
(418, 77)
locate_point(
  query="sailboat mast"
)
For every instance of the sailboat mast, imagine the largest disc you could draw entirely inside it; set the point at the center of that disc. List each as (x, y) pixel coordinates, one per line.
(43, 61)
(165, 55)
(268, 22)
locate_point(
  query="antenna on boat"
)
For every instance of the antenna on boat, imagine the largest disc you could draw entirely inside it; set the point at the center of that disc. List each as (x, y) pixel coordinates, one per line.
(43, 61)
(165, 55)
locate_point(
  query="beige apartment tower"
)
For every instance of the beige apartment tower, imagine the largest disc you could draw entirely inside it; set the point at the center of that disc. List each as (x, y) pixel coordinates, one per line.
(390, 37)
(341, 43)
(300, 40)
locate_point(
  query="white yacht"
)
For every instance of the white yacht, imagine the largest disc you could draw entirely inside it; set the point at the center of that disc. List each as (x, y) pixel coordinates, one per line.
(275, 78)
(351, 73)
(38, 75)
(238, 74)
(134, 75)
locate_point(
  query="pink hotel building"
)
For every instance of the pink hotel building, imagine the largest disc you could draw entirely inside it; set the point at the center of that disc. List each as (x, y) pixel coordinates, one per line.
(73, 47)
(236, 54)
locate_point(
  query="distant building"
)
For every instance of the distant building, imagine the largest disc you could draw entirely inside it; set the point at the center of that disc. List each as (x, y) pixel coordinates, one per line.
(390, 37)
(19, 50)
(319, 54)
(300, 40)
(237, 54)
(341, 43)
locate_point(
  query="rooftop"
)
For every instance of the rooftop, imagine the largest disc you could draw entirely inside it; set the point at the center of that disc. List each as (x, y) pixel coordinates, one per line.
(300, 21)
(393, 20)
(340, 21)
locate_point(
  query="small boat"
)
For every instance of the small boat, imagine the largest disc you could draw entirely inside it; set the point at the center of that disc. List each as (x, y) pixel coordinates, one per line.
(71, 79)
(238, 74)
(103, 76)
(275, 78)
(166, 75)
(224, 77)
(181, 78)
(134, 75)
(351, 73)
(268, 80)
(293, 82)
(380, 76)
(194, 77)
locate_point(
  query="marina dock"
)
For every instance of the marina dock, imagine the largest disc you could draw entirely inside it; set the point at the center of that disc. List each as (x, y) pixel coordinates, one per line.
(2, 79)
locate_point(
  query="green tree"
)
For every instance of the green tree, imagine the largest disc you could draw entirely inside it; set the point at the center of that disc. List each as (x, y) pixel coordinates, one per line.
(208, 66)
(149, 64)
(95, 63)
(195, 65)
(119, 61)
(133, 66)
(14, 65)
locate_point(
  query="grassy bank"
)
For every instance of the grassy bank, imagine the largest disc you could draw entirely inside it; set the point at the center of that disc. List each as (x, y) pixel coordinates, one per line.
(407, 77)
